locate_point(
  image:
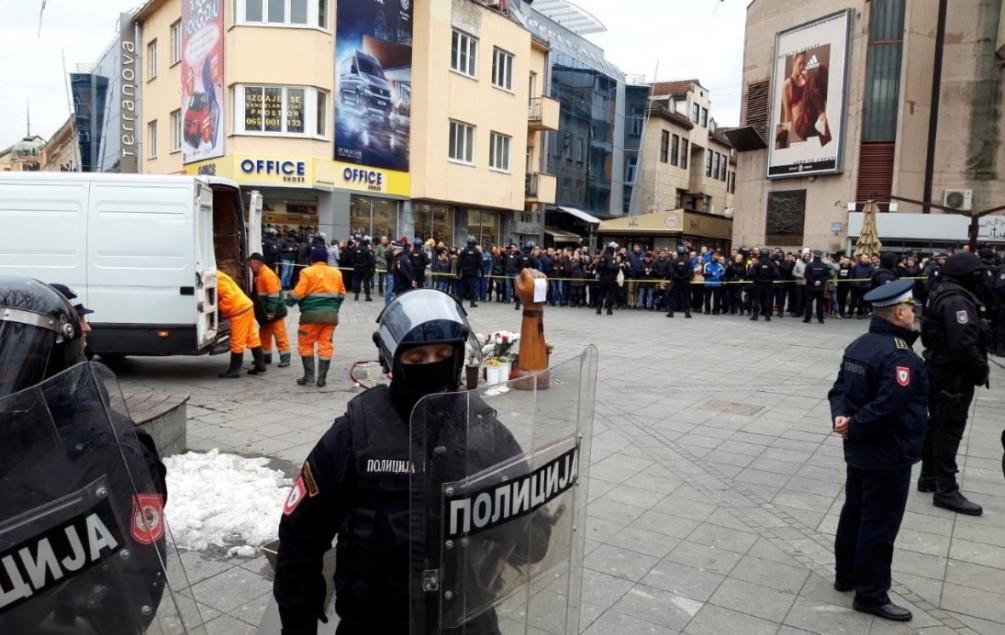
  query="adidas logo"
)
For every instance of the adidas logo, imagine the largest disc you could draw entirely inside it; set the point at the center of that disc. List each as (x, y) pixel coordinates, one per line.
(813, 63)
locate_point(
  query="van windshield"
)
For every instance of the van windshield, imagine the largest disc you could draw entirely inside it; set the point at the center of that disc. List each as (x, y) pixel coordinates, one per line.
(370, 67)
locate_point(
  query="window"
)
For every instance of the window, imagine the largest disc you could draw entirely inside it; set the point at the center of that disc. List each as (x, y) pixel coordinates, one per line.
(152, 60)
(502, 69)
(152, 139)
(463, 53)
(708, 163)
(567, 146)
(664, 145)
(695, 112)
(715, 165)
(637, 120)
(684, 150)
(176, 42)
(580, 150)
(704, 117)
(532, 85)
(499, 151)
(630, 164)
(283, 12)
(176, 131)
(725, 167)
(291, 110)
(674, 152)
(462, 142)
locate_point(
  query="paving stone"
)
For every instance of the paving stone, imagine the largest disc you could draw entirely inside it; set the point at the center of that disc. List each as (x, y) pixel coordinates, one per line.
(722, 538)
(618, 622)
(658, 606)
(644, 541)
(716, 620)
(753, 599)
(622, 563)
(704, 557)
(776, 575)
(683, 579)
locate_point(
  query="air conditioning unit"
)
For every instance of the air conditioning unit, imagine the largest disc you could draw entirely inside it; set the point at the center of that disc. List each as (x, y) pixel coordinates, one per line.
(962, 200)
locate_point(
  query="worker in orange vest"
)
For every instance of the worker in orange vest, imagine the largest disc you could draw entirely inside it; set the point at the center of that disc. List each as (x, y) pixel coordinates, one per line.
(271, 312)
(319, 292)
(236, 306)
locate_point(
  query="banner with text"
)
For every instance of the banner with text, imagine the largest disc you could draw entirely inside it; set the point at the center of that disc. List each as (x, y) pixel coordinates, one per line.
(808, 96)
(373, 82)
(202, 90)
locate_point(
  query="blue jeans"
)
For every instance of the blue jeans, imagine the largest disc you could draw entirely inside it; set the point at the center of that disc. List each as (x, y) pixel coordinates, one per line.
(286, 268)
(561, 291)
(483, 288)
(388, 287)
(645, 296)
(507, 288)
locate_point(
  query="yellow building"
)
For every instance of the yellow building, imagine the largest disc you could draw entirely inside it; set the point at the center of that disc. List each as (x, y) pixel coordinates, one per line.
(456, 88)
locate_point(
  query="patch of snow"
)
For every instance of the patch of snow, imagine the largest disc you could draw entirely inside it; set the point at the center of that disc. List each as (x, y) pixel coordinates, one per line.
(221, 500)
(244, 551)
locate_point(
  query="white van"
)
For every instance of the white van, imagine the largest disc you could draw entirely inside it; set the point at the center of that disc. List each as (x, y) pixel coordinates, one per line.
(142, 251)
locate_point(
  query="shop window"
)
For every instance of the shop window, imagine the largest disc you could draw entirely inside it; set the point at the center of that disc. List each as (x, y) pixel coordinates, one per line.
(373, 217)
(462, 142)
(283, 12)
(287, 110)
(499, 151)
(484, 226)
(463, 53)
(502, 69)
(434, 221)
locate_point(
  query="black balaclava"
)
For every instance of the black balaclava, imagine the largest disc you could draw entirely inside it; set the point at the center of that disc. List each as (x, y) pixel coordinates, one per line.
(412, 382)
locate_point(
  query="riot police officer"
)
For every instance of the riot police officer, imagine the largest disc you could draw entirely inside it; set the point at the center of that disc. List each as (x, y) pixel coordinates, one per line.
(878, 405)
(763, 274)
(402, 273)
(468, 266)
(106, 579)
(420, 262)
(887, 271)
(356, 481)
(957, 360)
(817, 274)
(363, 264)
(526, 260)
(681, 273)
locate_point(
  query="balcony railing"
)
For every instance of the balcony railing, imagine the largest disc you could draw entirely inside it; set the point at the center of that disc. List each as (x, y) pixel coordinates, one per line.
(543, 113)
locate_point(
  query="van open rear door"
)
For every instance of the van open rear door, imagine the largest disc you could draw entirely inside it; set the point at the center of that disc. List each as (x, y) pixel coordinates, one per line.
(254, 225)
(205, 266)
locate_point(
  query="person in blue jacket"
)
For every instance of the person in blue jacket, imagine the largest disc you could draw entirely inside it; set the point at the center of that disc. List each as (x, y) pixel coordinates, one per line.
(714, 274)
(879, 405)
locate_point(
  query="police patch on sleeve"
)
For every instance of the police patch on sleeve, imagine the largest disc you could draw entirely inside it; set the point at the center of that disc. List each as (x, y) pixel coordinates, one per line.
(904, 376)
(296, 495)
(148, 518)
(962, 317)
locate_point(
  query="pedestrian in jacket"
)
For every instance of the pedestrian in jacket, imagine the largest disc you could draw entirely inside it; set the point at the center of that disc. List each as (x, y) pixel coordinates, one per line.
(714, 274)
(861, 273)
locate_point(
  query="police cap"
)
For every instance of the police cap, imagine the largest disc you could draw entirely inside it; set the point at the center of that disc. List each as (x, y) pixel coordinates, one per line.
(891, 294)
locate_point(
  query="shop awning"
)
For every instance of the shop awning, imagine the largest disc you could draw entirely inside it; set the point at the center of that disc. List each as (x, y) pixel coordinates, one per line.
(581, 215)
(562, 236)
(664, 222)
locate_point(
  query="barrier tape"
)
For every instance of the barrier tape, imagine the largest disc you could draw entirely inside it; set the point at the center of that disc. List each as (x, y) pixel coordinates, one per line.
(454, 276)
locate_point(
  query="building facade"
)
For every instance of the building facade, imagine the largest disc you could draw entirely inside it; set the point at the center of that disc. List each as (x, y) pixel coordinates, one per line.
(423, 119)
(860, 101)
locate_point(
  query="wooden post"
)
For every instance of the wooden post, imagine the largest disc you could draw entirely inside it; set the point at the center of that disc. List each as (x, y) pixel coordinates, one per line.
(533, 350)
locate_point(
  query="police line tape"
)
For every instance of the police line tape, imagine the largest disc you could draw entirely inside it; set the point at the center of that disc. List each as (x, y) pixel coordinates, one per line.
(454, 276)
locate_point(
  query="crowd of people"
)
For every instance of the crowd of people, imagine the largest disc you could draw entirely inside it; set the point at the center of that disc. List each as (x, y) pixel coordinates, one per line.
(758, 283)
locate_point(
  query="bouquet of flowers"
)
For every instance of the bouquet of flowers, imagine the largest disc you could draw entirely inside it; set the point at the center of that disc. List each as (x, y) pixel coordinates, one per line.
(499, 345)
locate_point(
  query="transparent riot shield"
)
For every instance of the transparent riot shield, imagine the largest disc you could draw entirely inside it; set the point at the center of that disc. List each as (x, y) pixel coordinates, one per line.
(498, 504)
(84, 545)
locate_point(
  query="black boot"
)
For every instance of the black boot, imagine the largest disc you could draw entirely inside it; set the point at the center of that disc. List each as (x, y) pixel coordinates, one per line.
(284, 360)
(259, 366)
(610, 311)
(688, 315)
(599, 310)
(234, 370)
(954, 501)
(670, 314)
(474, 304)
(308, 377)
(369, 299)
(356, 298)
(267, 358)
(323, 366)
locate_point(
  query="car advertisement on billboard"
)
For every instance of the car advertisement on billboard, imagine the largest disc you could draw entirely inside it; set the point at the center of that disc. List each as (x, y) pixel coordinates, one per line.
(202, 79)
(373, 82)
(808, 97)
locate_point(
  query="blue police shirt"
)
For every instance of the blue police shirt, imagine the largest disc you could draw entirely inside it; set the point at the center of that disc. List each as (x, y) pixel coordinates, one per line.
(883, 387)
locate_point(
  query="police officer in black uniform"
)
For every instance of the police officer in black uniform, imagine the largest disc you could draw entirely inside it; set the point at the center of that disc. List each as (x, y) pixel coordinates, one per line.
(933, 273)
(887, 271)
(42, 338)
(817, 274)
(363, 264)
(468, 266)
(403, 275)
(607, 272)
(420, 262)
(355, 483)
(270, 248)
(526, 260)
(878, 405)
(998, 317)
(957, 360)
(681, 273)
(762, 274)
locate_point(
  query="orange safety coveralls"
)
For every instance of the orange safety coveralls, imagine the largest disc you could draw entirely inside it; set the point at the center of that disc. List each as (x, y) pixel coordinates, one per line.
(237, 307)
(269, 290)
(319, 292)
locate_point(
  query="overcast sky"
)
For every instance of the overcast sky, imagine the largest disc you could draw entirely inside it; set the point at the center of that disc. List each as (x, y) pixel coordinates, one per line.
(676, 34)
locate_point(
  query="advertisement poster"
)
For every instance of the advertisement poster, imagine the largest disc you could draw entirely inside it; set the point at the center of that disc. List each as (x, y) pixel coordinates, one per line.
(202, 79)
(808, 96)
(373, 82)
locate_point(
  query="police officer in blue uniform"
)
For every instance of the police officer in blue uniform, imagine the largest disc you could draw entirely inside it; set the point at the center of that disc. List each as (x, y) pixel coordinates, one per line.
(356, 481)
(817, 274)
(879, 405)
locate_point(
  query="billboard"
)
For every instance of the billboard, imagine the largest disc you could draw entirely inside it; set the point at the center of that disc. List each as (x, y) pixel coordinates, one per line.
(808, 96)
(202, 90)
(373, 82)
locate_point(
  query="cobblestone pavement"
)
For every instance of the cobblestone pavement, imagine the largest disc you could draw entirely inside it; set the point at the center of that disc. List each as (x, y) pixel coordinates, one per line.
(715, 487)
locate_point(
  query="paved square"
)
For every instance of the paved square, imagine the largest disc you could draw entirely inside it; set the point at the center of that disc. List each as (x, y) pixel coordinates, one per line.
(715, 485)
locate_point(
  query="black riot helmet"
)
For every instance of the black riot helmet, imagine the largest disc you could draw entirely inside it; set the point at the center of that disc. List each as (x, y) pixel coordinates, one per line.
(529, 247)
(417, 318)
(966, 269)
(40, 333)
(472, 241)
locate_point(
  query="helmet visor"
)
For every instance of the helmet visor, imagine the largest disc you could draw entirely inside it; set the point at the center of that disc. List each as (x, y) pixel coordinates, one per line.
(24, 355)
